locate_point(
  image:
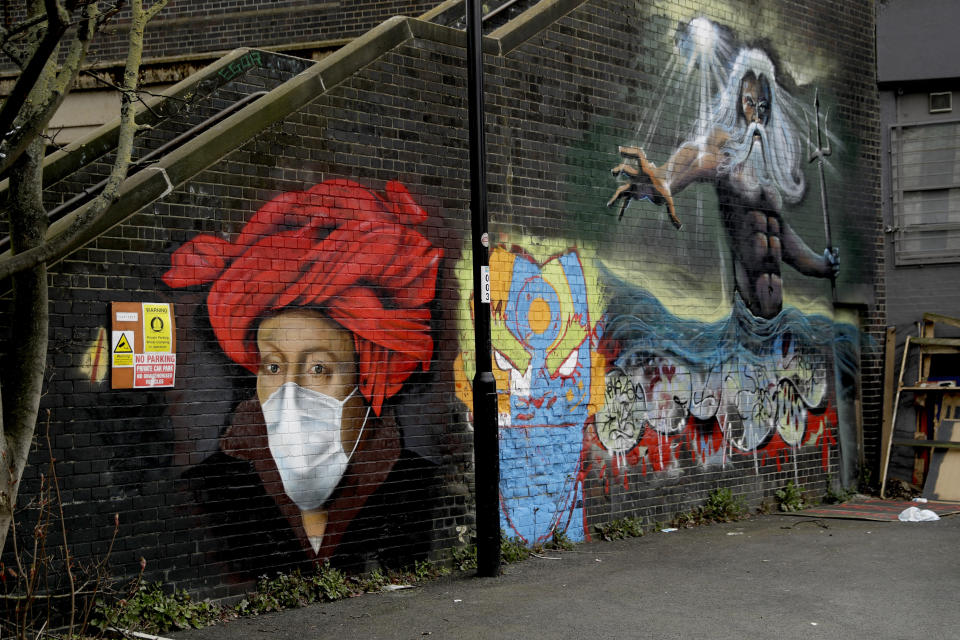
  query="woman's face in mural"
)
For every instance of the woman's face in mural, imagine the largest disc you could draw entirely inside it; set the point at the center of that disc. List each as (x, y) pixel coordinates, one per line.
(307, 348)
(755, 99)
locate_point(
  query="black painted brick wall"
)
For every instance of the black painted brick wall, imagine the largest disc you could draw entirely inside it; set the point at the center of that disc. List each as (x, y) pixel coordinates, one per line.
(557, 108)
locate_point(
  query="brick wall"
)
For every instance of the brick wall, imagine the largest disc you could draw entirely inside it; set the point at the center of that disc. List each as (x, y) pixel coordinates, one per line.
(187, 27)
(630, 381)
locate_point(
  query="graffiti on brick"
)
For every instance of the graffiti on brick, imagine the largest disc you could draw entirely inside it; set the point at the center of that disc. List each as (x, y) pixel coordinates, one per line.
(244, 63)
(324, 297)
(545, 329)
(715, 414)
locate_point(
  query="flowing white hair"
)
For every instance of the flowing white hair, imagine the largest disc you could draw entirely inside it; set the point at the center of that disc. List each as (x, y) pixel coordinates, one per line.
(782, 147)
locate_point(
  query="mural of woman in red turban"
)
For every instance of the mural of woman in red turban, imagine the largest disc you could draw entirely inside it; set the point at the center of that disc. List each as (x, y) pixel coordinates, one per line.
(324, 296)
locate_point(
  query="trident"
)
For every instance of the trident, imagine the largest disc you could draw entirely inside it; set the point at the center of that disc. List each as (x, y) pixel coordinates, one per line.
(819, 154)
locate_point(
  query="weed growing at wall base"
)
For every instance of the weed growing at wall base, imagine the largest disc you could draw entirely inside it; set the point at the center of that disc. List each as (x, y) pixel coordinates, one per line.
(464, 558)
(291, 590)
(512, 549)
(836, 495)
(629, 527)
(723, 506)
(559, 542)
(790, 498)
(153, 610)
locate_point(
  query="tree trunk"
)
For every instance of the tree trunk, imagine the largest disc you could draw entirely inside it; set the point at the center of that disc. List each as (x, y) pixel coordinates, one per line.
(22, 386)
(26, 364)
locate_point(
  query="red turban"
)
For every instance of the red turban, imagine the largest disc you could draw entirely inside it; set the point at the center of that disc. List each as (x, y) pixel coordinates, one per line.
(338, 248)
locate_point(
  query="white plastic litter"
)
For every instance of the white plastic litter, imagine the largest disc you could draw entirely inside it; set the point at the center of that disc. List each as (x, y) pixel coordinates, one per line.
(920, 500)
(668, 530)
(913, 514)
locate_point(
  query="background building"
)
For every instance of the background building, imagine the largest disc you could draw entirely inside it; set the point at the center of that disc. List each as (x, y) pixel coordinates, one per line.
(918, 75)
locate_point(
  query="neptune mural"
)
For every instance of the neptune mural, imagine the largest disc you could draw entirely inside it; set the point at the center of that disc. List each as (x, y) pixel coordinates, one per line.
(757, 380)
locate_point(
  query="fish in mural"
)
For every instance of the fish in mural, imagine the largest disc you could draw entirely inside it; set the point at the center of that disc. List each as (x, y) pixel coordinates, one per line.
(324, 296)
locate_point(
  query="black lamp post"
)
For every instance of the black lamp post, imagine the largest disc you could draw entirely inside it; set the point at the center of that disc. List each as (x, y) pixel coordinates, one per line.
(485, 442)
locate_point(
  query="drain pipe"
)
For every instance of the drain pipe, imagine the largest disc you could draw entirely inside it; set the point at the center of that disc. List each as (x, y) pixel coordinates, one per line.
(486, 448)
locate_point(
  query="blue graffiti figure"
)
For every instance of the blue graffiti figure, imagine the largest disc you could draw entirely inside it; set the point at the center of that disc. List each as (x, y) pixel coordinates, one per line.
(542, 340)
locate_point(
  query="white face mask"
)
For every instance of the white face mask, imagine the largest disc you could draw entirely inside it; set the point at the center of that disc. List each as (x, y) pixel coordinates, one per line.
(303, 431)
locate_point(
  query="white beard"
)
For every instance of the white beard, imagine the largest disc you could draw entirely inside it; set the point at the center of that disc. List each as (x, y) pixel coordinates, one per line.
(747, 165)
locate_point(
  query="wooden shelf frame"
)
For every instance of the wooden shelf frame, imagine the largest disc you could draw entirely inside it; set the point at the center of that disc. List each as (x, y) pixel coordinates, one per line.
(925, 345)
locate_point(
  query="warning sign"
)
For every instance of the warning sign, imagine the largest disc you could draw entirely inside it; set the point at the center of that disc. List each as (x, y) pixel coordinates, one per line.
(122, 348)
(156, 328)
(143, 345)
(154, 369)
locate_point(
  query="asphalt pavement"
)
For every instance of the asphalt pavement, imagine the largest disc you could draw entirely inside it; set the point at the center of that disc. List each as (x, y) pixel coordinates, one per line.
(771, 576)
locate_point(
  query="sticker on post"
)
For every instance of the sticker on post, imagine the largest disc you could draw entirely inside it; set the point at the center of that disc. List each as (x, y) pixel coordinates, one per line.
(485, 284)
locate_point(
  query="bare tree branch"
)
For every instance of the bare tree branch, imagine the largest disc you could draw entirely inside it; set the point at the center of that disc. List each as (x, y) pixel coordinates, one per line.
(128, 99)
(57, 22)
(34, 126)
(31, 246)
(55, 247)
(19, 58)
(21, 28)
(140, 93)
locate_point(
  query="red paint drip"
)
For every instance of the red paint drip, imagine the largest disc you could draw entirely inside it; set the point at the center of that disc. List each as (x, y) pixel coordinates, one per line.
(702, 448)
(659, 449)
(829, 421)
(702, 439)
(776, 450)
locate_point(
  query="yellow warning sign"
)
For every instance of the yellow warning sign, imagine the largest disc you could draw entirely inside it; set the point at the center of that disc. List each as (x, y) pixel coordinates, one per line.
(123, 345)
(157, 337)
(122, 349)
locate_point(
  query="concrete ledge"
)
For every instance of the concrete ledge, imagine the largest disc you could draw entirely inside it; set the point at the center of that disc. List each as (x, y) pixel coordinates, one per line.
(531, 22)
(449, 36)
(440, 9)
(347, 60)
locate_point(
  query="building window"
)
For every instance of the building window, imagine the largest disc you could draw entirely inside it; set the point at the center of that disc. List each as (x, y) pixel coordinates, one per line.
(925, 171)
